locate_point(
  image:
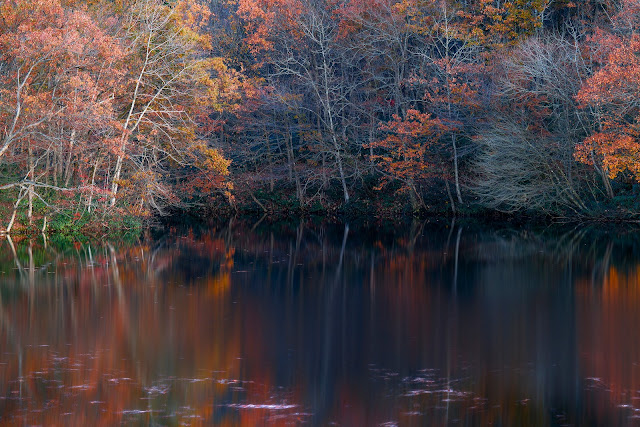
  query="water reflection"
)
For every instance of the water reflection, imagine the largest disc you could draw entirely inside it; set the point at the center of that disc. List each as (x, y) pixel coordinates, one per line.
(250, 324)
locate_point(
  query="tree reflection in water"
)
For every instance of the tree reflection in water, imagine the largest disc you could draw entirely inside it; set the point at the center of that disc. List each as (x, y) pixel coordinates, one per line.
(283, 324)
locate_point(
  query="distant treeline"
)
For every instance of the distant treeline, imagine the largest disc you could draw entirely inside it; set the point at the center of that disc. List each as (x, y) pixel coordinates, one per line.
(123, 108)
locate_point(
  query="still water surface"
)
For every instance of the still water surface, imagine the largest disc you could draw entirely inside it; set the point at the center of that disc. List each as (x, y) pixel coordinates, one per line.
(247, 324)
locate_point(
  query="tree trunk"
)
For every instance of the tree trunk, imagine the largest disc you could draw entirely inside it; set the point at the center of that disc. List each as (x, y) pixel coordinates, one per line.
(603, 174)
(453, 203)
(30, 191)
(343, 180)
(116, 178)
(68, 168)
(15, 211)
(93, 182)
(455, 167)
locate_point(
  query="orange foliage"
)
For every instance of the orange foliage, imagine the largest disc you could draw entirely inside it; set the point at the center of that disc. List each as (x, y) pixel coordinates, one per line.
(264, 18)
(55, 71)
(404, 153)
(612, 92)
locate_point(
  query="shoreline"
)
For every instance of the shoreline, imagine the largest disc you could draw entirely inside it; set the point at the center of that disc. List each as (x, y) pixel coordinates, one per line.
(119, 225)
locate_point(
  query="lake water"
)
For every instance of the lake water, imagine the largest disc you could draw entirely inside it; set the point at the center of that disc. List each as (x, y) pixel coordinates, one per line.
(255, 324)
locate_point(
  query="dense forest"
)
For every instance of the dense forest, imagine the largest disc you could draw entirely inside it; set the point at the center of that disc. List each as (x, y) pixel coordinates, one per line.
(112, 111)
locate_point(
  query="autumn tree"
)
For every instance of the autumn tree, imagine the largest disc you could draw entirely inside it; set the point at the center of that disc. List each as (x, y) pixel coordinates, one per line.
(300, 46)
(496, 23)
(612, 92)
(91, 98)
(443, 69)
(408, 153)
(165, 84)
(52, 99)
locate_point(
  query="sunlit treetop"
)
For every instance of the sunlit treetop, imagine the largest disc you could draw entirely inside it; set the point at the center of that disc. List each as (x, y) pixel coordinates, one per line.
(613, 91)
(498, 23)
